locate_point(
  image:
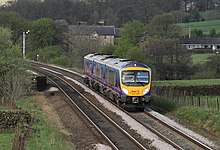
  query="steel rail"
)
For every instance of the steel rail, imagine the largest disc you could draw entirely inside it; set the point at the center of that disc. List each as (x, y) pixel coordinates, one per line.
(193, 140)
(108, 118)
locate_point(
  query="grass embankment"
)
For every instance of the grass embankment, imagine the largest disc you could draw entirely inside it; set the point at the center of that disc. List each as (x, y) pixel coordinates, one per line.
(47, 136)
(203, 117)
(207, 118)
(6, 140)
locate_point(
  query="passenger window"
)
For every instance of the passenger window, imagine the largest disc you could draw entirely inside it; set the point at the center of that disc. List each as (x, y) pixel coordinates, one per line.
(116, 79)
(102, 73)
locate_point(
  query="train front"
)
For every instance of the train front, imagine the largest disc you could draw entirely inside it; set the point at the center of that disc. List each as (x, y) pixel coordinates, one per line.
(135, 85)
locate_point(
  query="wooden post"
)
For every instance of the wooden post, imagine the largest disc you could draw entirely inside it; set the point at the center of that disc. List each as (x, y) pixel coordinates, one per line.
(207, 103)
(199, 101)
(184, 94)
(217, 104)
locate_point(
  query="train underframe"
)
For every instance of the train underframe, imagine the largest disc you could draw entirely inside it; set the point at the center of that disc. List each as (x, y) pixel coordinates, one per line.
(138, 102)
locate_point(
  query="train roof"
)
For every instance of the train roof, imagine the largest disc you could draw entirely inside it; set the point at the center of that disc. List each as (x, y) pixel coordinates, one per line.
(112, 61)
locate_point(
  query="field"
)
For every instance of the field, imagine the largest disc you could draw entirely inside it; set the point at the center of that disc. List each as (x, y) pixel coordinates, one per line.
(205, 26)
(187, 82)
(200, 58)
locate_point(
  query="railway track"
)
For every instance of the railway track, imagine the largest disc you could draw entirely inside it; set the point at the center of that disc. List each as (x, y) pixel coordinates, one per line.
(183, 140)
(117, 137)
(174, 137)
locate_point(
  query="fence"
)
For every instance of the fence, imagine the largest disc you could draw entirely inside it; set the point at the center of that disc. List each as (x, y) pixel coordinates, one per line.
(212, 102)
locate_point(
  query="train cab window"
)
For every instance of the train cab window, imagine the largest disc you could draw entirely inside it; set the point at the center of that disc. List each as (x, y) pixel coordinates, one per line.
(135, 77)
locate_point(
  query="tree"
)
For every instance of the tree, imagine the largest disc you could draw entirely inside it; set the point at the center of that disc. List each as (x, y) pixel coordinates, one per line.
(214, 63)
(29, 9)
(14, 77)
(108, 49)
(197, 33)
(52, 55)
(42, 33)
(212, 32)
(79, 43)
(14, 22)
(164, 26)
(132, 34)
(171, 61)
(168, 5)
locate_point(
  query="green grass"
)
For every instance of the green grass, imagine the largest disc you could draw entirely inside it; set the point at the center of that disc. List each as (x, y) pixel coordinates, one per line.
(207, 118)
(187, 82)
(6, 139)
(46, 136)
(203, 117)
(205, 26)
(200, 58)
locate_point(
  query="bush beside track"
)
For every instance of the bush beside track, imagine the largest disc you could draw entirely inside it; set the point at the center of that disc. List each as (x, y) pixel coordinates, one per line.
(10, 120)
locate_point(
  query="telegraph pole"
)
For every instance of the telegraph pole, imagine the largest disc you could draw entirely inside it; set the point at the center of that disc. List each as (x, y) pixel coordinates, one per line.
(23, 37)
(24, 43)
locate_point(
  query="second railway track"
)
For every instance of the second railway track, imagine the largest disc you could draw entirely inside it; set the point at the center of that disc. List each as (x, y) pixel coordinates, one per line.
(111, 131)
(198, 145)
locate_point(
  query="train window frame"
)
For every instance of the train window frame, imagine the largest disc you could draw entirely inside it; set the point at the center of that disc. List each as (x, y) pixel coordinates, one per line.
(107, 75)
(97, 71)
(102, 72)
(116, 78)
(135, 81)
(111, 76)
(88, 69)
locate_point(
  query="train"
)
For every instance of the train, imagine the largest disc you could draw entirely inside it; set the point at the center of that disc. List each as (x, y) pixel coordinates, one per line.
(126, 82)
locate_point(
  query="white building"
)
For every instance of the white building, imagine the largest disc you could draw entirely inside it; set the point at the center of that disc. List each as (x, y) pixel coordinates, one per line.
(201, 43)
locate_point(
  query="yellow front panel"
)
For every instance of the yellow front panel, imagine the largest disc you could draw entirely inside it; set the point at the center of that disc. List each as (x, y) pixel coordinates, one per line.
(136, 90)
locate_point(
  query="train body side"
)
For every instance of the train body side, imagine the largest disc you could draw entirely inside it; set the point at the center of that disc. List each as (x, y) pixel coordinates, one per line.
(109, 75)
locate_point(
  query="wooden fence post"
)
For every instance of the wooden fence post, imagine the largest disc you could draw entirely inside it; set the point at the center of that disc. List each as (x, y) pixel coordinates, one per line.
(207, 103)
(191, 99)
(199, 101)
(184, 95)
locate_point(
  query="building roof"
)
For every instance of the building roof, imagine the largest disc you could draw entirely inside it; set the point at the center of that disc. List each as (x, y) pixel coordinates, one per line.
(88, 30)
(201, 41)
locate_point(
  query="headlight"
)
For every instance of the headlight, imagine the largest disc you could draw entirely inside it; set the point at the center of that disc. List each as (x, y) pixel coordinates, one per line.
(125, 91)
(145, 91)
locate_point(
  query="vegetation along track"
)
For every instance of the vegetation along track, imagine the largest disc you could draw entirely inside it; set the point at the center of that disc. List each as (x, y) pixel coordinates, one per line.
(113, 133)
(178, 139)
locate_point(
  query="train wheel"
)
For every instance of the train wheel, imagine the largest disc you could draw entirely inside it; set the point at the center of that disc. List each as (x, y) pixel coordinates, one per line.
(141, 108)
(118, 102)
